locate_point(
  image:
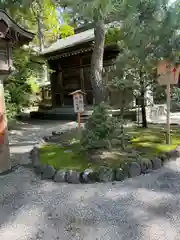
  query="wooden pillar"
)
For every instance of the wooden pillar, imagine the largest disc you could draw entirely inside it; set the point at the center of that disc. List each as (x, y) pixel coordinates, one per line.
(5, 161)
(53, 92)
(60, 81)
(82, 79)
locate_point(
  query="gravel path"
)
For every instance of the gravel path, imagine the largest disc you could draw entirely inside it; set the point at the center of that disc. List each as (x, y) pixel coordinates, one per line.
(145, 208)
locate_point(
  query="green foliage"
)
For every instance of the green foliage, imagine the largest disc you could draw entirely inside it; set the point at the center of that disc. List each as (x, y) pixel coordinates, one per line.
(92, 10)
(99, 129)
(159, 94)
(176, 95)
(112, 36)
(41, 17)
(20, 85)
(148, 33)
(47, 25)
(38, 16)
(11, 108)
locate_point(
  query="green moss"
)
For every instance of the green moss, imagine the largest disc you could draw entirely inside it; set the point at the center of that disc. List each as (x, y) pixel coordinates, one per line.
(151, 141)
(64, 157)
(145, 143)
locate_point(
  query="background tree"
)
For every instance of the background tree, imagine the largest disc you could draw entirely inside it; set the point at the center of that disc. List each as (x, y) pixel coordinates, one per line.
(41, 17)
(125, 81)
(148, 33)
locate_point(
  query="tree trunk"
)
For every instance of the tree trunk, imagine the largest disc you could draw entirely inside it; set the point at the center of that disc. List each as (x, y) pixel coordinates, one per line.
(122, 122)
(143, 108)
(97, 63)
(40, 33)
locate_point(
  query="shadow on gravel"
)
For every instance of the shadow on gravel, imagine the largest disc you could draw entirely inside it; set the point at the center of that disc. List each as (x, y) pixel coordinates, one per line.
(126, 211)
(147, 207)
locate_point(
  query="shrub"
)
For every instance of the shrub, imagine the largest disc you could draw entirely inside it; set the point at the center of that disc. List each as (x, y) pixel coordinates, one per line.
(98, 129)
(11, 109)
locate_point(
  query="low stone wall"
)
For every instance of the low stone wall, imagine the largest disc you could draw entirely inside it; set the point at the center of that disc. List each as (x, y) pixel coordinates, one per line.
(103, 174)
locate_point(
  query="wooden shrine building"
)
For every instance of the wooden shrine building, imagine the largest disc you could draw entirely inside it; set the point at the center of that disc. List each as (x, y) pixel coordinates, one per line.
(70, 59)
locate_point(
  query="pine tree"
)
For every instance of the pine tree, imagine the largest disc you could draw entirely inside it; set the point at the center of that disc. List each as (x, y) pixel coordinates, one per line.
(96, 12)
(98, 130)
(149, 33)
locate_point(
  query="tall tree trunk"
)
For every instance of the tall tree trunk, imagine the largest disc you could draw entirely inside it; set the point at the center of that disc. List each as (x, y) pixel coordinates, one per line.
(143, 106)
(122, 121)
(40, 33)
(97, 62)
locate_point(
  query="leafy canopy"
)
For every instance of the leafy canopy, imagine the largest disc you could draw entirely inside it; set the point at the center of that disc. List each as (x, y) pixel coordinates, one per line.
(92, 10)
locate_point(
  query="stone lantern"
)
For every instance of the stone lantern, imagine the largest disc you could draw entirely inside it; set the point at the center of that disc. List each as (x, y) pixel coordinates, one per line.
(11, 36)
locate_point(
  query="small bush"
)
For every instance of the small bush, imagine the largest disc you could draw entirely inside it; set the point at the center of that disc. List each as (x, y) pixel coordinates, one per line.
(99, 129)
(11, 108)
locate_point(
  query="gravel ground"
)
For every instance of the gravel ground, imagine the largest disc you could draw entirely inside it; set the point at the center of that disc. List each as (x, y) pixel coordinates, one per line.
(146, 207)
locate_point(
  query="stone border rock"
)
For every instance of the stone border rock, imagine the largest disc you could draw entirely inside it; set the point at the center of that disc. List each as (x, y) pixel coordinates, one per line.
(103, 174)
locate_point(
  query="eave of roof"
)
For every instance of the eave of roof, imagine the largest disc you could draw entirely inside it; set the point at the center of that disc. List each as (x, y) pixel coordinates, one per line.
(13, 25)
(71, 41)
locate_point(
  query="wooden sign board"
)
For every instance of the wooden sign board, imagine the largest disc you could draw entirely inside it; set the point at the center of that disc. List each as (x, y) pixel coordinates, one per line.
(78, 103)
(167, 73)
(168, 79)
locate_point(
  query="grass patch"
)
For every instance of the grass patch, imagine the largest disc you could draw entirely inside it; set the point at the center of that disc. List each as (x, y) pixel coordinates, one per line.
(146, 143)
(64, 157)
(70, 158)
(152, 141)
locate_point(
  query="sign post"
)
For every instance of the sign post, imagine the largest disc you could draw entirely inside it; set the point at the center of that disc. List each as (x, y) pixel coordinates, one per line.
(78, 102)
(168, 75)
(168, 138)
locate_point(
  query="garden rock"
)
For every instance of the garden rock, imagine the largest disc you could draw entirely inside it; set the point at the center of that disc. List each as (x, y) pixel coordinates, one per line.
(35, 156)
(120, 174)
(93, 176)
(164, 158)
(156, 163)
(178, 151)
(54, 133)
(46, 139)
(39, 169)
(174, 153)
(105, 174)
(85, 175)
(146, 165)
(134, 169)
(54, 139)
(72, 177)
(60, 176)
(48, 172)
